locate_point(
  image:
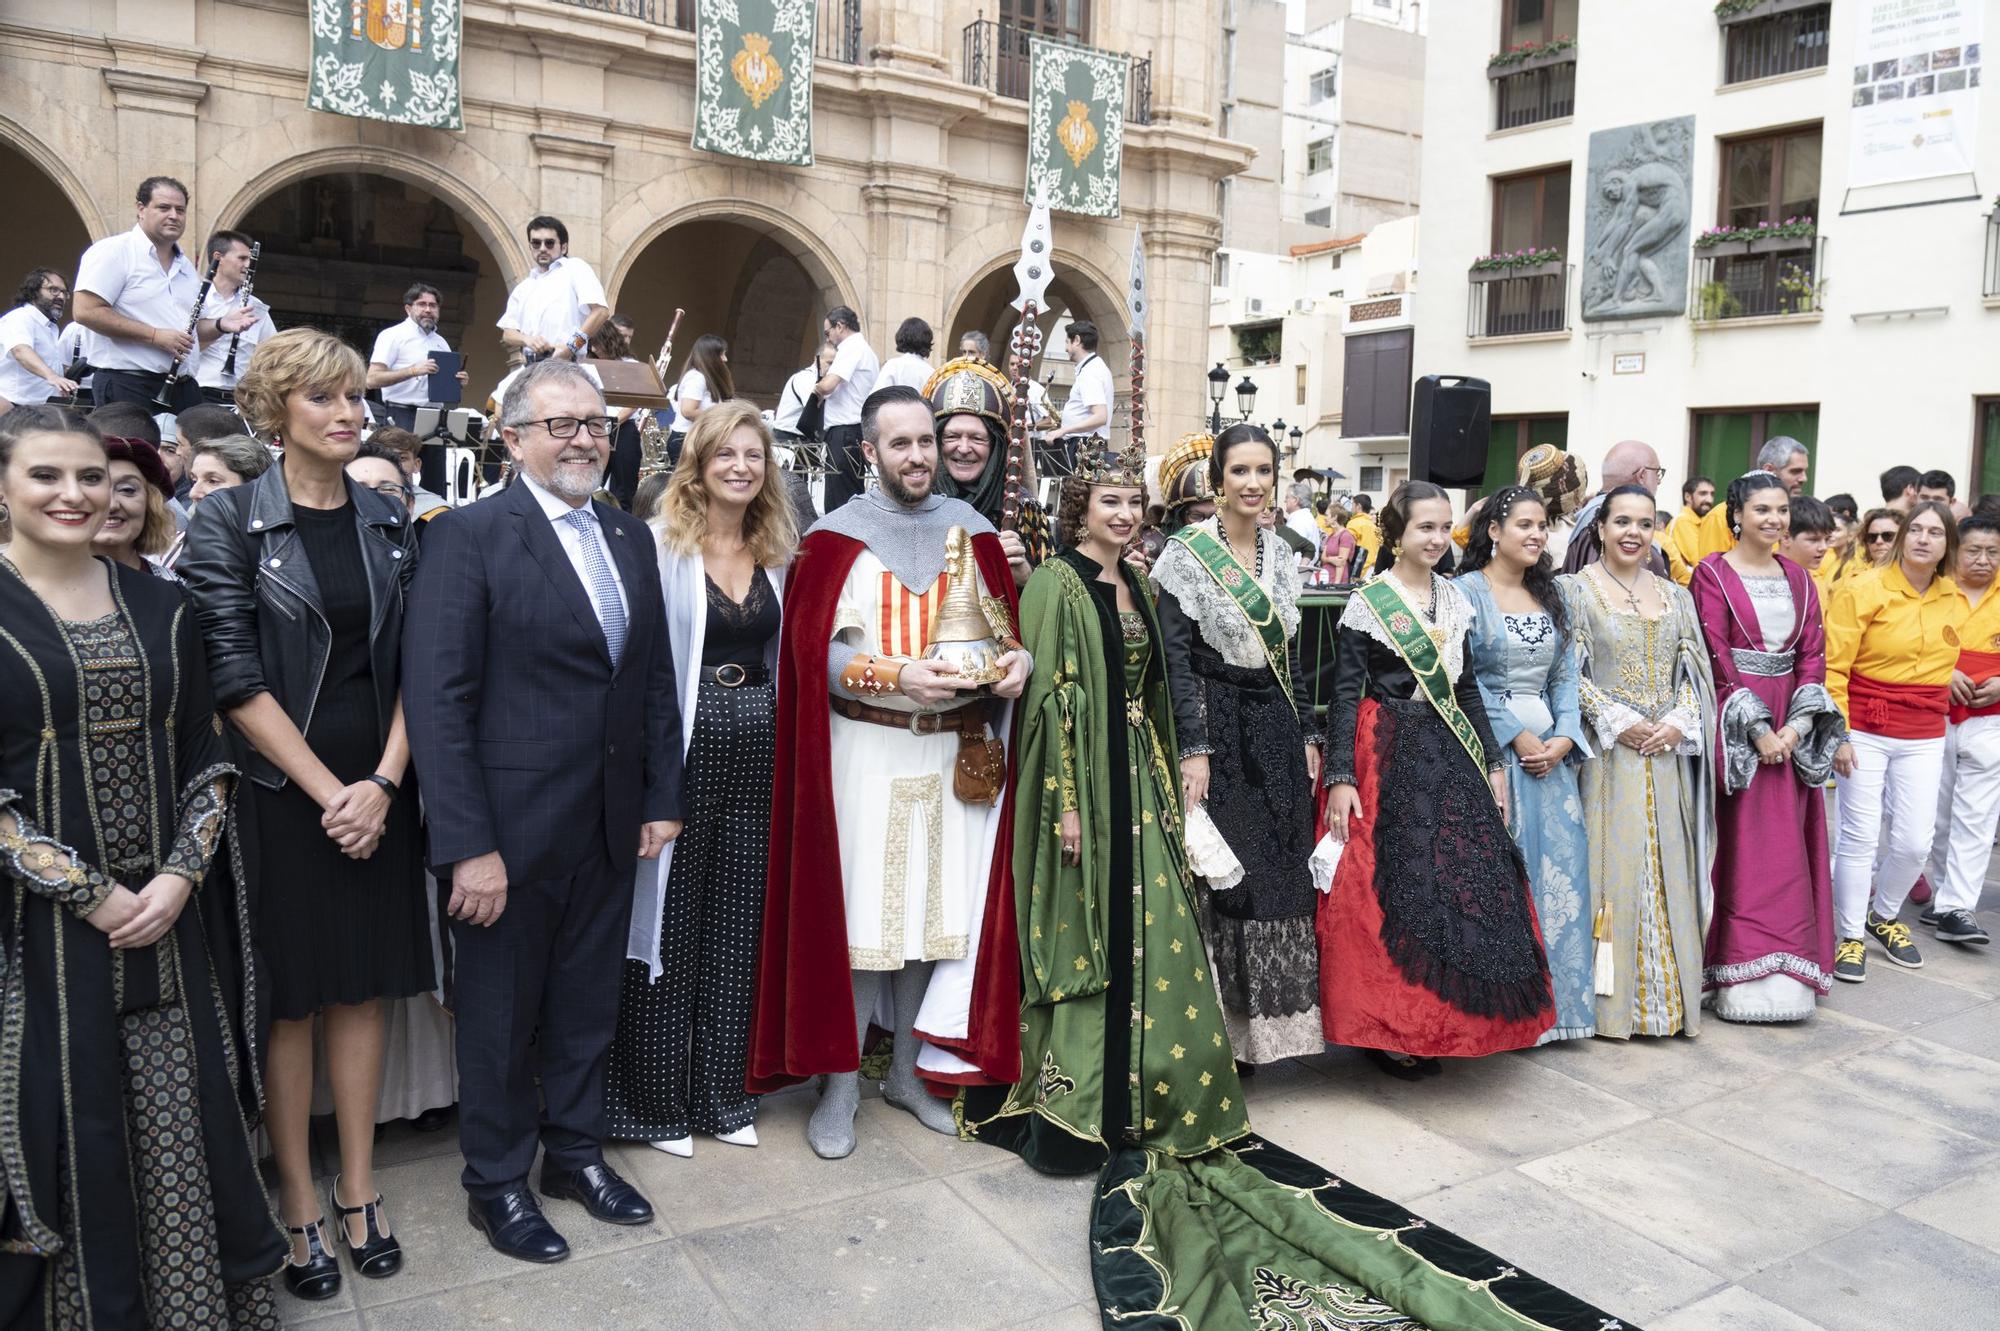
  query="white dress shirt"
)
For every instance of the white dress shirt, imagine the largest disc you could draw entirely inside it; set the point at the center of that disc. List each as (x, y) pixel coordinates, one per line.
(792, 400)
(553, 302)
(398, 347)
(1093, 388)
(122, 271)
(214, 353)
(26, 326)
(558, 510)
(906, 369)
(855, 363)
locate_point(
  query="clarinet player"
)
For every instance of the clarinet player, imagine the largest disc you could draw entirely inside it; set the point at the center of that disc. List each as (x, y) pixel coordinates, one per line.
(227, 355)
(138, 293)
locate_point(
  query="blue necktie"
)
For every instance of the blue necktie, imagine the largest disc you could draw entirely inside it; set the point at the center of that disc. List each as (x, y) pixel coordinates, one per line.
(610, 610)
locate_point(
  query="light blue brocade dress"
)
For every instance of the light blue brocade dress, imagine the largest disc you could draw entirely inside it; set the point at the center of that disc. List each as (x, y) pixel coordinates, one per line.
(1528, 678)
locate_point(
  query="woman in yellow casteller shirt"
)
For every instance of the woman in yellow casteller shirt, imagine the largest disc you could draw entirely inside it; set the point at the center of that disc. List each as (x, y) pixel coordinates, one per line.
(1891, 645)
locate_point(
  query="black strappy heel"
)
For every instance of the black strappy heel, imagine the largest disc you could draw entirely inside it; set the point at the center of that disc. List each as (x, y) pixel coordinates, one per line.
(317, 1278)
(380, 1255)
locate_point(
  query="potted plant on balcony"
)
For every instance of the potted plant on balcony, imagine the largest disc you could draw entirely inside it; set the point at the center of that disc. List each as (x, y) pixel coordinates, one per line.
(1518, 263)
(1524, 56)
(1794, 233)
(1742, 11)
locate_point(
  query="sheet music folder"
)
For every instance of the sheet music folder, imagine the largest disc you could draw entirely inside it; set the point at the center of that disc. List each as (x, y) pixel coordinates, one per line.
(443, 389)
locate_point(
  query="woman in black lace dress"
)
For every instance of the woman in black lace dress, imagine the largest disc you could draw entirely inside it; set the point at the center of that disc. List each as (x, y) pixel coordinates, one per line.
(726, 533)
(1429, 943)
(1229, 617)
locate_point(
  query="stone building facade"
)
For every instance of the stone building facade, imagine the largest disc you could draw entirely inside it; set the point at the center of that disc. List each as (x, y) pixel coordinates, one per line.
(583, 109)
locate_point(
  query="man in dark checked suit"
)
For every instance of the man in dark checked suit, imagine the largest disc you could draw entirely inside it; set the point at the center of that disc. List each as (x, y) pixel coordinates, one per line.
(544, 720)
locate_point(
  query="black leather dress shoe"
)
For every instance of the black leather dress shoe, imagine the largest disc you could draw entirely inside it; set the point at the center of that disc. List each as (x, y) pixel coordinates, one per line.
(606, 1196)
(513, 1223)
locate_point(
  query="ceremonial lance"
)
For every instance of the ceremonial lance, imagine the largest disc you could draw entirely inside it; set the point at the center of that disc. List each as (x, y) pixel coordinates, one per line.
(1135, 301)
(1033, 271)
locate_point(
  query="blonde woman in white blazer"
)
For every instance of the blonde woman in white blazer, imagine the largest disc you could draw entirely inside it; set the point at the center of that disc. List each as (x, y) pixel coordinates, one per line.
(725, 534)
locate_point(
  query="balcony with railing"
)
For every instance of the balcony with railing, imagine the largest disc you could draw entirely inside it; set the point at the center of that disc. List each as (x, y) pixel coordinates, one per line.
(1772, 278)
(1763, 39)
(1533, 83)
(996, 58)
(838, 38)
(1523, 301)
(1991, 285)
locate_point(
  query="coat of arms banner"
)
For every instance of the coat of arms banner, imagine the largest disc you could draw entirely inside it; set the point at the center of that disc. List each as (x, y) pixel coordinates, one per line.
(394, 60)
(1076, 126)
(753, 79)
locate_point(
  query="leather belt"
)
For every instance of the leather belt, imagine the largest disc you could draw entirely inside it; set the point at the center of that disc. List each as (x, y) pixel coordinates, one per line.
(968, 717)
(733, 676)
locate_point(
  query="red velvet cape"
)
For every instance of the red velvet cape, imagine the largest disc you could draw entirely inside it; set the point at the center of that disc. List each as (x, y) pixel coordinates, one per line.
(802, 1009)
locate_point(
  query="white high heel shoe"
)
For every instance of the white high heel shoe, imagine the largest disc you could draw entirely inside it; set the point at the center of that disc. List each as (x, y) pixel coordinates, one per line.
(680, 1146)
(743, 1136)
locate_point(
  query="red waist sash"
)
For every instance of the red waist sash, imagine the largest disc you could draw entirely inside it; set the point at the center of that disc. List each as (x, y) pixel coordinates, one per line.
(1978, 667)
(1897, 711)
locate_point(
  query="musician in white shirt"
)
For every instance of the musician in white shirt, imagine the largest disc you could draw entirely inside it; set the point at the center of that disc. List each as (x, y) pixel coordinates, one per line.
(32, 365)
(403, 360)
(1086, 412)
(910, 367)
(224, 357)
(796, 394)
(845, 386)
(559, 306)
(136, 292)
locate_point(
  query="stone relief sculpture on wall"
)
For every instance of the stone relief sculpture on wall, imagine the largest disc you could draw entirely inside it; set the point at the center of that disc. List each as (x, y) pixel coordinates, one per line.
(1636, 216)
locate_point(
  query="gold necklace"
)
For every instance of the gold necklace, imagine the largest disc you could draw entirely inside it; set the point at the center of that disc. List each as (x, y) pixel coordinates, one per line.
(1631, 591)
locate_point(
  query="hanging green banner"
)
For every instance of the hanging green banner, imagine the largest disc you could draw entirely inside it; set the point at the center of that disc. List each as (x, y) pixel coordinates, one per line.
(394, 60)
(1076, 126)
(753, 65)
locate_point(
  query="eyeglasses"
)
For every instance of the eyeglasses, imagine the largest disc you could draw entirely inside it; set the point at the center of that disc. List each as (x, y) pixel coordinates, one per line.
(391, 489)
(1657, 473)
(1875, 536)
(565, 427)
(547, 243)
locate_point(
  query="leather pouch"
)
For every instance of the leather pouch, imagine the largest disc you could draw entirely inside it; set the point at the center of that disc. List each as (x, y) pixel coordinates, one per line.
(981, 769)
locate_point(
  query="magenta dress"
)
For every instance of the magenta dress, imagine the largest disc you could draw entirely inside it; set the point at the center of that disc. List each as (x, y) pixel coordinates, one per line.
(1769, 952)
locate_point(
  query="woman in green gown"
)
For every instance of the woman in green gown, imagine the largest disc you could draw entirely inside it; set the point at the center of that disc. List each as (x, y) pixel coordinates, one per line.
(1125, 1067)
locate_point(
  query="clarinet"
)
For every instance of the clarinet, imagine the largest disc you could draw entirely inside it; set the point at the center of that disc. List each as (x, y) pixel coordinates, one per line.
(174, 372)
(243, 297)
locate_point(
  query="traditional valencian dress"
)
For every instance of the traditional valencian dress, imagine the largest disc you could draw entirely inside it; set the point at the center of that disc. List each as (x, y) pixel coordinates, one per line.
(1429, 943)
(1651, 820)
(127, 1077)
(1239, 696)
(1770, 942)
(1526, 667)
(1199, 1225)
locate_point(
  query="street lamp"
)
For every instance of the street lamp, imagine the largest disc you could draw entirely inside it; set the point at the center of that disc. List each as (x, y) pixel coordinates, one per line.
(1218, 384)
(1297, 438)
(1278, 432)
(1246, 397)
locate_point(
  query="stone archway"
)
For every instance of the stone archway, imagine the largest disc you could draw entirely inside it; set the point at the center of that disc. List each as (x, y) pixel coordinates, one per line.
(50, 218)
(741, 275)
(985, 304)
(341, 246)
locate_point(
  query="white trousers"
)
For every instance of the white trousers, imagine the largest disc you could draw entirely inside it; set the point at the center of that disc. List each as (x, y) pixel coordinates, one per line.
(1968, 809)
(1888, 811)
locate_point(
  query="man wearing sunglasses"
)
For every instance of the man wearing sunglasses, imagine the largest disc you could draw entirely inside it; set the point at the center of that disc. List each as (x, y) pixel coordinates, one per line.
(559, 304)
(546, 730)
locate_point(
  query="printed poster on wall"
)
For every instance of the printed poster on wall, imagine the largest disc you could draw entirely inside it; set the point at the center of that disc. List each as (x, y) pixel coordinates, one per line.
(1917, 71)
(753, 67)
(393, 60)
(1076, 126)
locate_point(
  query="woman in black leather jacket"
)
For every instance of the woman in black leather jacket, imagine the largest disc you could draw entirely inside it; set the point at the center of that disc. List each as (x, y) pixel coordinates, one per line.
(1249, 741)
(299, 580)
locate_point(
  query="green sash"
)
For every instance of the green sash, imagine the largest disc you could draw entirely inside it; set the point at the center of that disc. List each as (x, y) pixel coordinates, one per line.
(1420, 652)
(1249, 595)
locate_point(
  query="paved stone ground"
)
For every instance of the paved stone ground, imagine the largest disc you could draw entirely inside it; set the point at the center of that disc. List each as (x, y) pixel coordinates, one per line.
(1842, 1174)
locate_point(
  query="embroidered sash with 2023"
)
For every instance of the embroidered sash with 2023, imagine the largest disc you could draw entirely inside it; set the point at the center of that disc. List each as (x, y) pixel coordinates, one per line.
(1249, 596)
(1420, 652)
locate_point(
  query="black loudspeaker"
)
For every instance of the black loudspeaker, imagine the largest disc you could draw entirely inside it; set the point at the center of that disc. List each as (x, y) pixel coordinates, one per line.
(1450, 424)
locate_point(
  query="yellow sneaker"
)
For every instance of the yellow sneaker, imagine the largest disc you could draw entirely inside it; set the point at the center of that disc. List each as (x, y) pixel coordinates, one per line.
(1850, 961)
